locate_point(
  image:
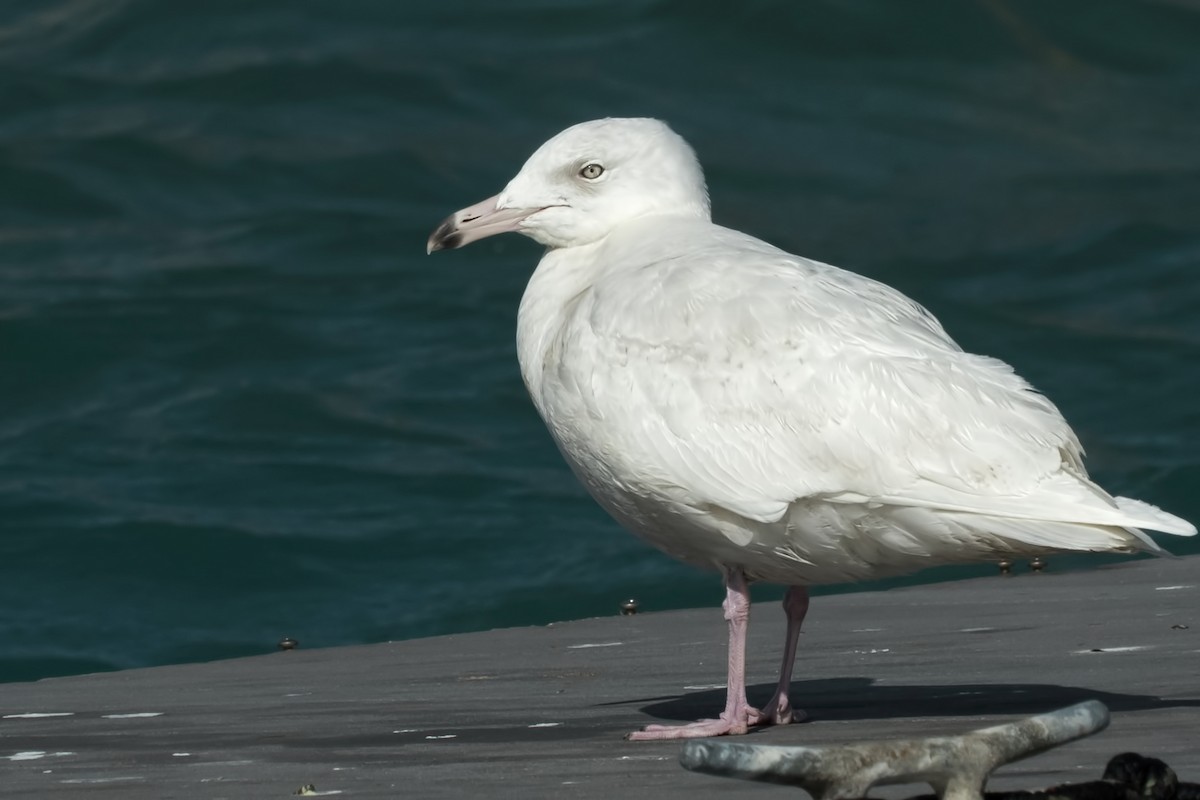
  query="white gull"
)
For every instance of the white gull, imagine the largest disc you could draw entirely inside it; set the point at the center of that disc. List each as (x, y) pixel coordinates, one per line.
(770, 416)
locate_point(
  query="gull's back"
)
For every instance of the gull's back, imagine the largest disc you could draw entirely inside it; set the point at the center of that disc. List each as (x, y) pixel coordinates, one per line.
(733, 403)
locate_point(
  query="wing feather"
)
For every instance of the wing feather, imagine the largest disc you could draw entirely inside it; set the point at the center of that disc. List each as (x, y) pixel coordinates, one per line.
(743, 378)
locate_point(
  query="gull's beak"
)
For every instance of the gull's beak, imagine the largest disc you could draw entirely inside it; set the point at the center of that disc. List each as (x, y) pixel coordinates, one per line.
(478, 221)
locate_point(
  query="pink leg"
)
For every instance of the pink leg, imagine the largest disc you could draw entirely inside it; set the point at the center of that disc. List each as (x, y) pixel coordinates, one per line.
(738, 715)
(778, 710)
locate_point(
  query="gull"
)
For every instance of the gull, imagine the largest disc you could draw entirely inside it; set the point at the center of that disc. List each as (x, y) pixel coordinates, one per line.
(766, 415)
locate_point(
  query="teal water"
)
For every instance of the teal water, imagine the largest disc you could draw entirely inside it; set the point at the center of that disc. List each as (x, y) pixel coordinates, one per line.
(238, 402)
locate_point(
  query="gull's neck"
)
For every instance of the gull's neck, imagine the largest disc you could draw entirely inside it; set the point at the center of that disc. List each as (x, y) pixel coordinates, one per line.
(566, 273)
(561, 276)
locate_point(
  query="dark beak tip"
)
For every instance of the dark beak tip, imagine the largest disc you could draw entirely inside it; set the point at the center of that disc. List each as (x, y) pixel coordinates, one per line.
(445, 237)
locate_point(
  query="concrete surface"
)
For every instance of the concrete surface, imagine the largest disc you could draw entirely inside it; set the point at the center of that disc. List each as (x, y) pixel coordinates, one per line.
(540, 712)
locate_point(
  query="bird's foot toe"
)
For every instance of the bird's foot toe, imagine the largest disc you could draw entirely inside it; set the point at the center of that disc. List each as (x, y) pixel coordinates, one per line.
(779, 712)
(725, 725)
(694, 730)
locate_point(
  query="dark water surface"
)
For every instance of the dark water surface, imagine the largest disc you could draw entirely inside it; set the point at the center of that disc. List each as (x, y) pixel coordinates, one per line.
(237, 401)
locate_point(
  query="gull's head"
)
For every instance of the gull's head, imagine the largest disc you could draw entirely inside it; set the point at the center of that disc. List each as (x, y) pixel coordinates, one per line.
(586, 181)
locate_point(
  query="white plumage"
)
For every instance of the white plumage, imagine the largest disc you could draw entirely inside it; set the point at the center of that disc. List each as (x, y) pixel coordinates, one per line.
(773, 417)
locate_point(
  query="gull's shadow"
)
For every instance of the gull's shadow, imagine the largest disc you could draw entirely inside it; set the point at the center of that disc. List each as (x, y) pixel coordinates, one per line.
(843, 699)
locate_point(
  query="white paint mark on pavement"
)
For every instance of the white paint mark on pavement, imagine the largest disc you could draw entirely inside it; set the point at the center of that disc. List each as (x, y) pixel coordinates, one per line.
(33, 755)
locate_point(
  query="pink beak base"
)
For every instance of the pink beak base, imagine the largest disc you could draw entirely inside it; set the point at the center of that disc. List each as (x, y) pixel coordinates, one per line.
(475, 222)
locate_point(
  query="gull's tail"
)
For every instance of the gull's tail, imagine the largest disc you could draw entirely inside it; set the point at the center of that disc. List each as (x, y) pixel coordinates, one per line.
(1144, 515)
(1068, 512)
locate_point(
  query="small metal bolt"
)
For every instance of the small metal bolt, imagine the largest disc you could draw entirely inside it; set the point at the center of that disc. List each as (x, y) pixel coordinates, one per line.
(629, 607)
(288, 643)
(1037, 564)
(1005, 567)
(1179, 626)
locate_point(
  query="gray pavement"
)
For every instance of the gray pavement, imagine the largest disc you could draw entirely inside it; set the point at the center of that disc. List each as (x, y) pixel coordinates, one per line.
(540, 712)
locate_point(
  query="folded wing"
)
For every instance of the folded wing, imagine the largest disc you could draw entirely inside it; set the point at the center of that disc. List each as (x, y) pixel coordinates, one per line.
(740, 377)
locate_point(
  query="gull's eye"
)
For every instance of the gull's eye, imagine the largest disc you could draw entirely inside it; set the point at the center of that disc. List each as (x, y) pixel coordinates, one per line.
(591, 171)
